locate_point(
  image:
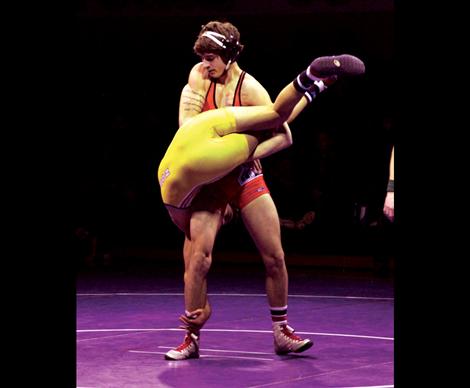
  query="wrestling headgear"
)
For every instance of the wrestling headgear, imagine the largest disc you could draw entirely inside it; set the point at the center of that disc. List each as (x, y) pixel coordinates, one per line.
(231, 46)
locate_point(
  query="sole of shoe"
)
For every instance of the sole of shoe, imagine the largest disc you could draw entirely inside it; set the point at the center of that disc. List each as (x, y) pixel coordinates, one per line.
(192, 356)
(303, 348)
(341, 65)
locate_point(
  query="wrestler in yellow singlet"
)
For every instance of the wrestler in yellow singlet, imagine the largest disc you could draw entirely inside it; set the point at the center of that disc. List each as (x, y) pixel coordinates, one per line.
(203, 150)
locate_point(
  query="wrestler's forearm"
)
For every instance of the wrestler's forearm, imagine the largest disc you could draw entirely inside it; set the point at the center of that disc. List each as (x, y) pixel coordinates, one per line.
(276, 143)
(282, 140)
(191, 102)
(392, 166)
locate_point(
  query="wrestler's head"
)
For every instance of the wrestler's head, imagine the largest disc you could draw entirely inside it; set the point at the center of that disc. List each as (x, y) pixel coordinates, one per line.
(218, 46)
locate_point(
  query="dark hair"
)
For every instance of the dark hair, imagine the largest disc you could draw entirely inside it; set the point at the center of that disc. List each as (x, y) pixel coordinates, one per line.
(231, 37)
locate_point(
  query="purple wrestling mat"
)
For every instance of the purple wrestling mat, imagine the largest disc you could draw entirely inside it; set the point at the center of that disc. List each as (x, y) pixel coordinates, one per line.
(127, 319)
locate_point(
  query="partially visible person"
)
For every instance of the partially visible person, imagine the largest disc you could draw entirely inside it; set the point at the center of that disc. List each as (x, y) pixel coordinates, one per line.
(300, 224)
(389, 204)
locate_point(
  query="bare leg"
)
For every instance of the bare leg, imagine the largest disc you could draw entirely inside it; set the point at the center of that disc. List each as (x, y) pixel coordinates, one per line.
(262, 222)
(269, 116)
(203, 226)
(195, 292)
(197, 251)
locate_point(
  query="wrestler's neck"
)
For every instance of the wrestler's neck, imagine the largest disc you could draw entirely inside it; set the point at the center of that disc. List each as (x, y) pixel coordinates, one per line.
(232, 73)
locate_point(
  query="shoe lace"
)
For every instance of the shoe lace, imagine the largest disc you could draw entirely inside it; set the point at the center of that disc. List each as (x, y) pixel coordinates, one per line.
(289, 332)
(187, 342)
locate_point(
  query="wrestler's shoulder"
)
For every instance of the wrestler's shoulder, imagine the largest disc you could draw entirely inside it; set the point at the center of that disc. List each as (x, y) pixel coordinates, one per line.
(198, 77)
(253, 92)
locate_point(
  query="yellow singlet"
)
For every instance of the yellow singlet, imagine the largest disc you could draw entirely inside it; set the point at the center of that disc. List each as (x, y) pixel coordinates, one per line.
(203, 150)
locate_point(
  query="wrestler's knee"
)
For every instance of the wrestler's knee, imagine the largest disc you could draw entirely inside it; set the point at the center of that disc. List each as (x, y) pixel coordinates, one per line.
(275, 262)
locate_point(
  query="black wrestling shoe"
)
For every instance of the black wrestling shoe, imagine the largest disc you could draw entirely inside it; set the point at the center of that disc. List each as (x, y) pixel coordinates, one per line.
(339, 65)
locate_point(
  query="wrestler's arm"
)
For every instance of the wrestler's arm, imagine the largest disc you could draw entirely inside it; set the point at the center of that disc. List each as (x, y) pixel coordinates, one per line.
(389, 205)
(281, 139)
(193, 94)
(391, 176)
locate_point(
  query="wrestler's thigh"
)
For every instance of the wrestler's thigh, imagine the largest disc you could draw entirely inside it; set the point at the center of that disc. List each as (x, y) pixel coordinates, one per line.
(204, 226)
(249, 118)
(262, 222)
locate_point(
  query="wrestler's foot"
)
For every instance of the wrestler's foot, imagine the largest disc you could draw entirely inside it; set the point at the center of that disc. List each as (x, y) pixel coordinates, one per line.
(336, 65)
(188, 349)
(285, 341)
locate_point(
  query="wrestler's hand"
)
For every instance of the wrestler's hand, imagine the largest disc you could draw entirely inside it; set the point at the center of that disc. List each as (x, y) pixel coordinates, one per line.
(389, 206)
(196, 319)
(307, 219)
(257, 166)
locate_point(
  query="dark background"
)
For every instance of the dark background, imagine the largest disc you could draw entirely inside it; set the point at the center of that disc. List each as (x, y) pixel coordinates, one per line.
(131, 60)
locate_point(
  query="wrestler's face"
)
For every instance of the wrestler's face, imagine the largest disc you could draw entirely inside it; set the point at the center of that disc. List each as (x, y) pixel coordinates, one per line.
(213, 64)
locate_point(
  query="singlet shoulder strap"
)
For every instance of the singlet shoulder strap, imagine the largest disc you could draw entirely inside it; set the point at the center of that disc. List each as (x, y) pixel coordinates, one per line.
(210, 102)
